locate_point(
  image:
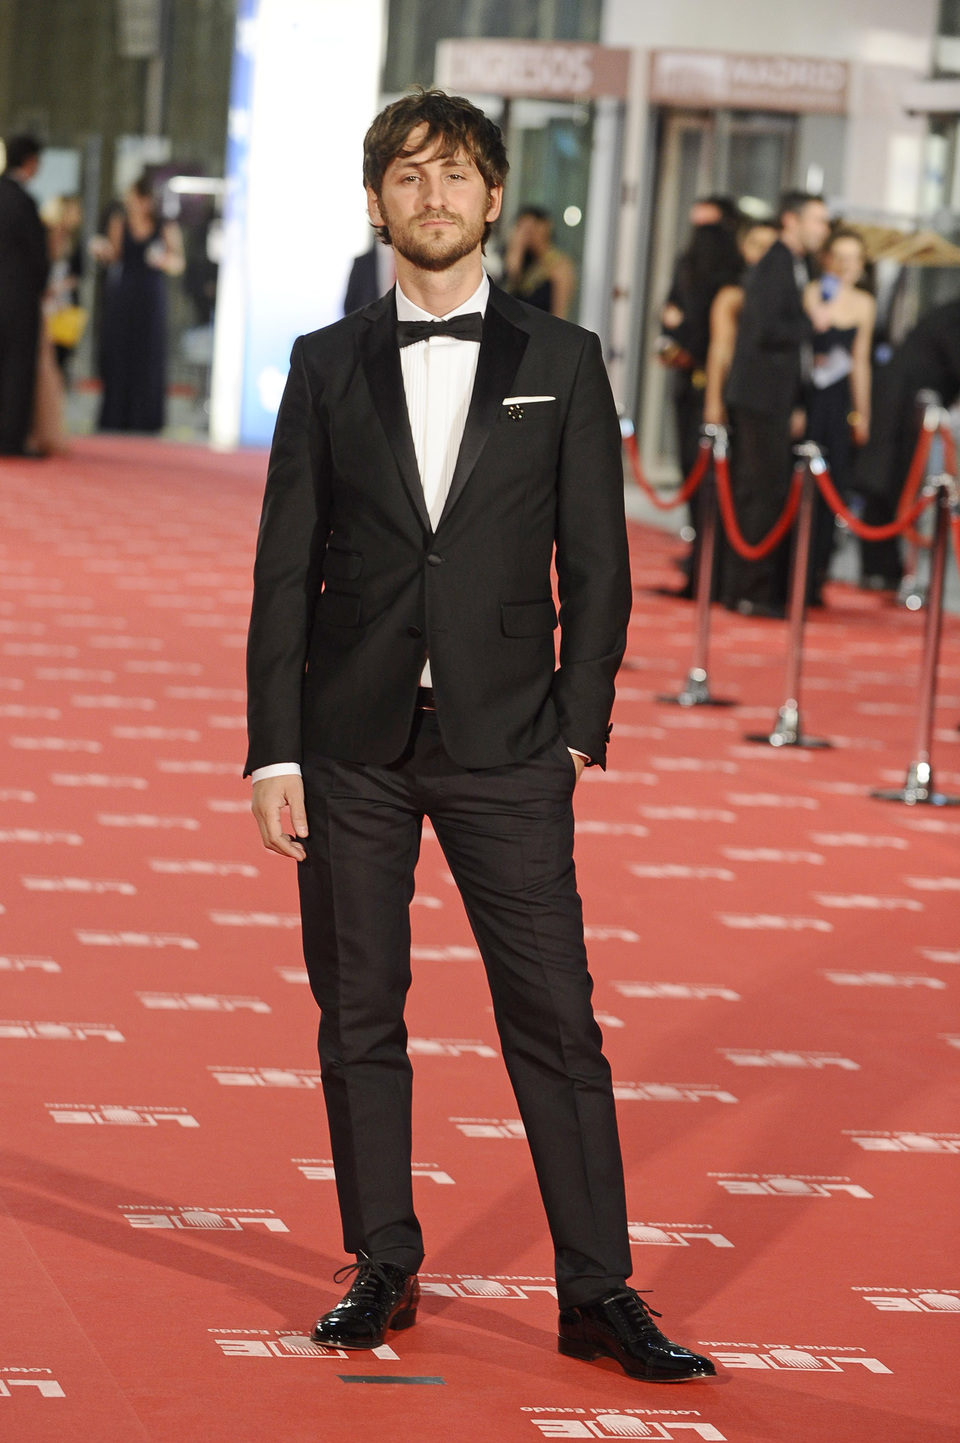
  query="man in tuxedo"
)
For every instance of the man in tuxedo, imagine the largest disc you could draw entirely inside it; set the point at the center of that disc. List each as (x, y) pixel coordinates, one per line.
(24, 265)
(430, 451)
(927, 359)
(764, 393)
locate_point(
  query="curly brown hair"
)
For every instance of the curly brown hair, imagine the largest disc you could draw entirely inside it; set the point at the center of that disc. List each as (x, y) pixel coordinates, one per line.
(452, 120)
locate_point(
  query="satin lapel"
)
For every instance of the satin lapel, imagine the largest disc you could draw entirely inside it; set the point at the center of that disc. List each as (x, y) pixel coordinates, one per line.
(501, 352)
(381, 365)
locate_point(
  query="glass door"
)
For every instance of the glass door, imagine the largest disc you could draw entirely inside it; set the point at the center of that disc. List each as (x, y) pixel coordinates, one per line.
(549, 144)
(685, 170)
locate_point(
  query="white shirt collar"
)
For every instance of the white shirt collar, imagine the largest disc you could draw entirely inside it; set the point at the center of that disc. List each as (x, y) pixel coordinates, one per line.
(407, 311)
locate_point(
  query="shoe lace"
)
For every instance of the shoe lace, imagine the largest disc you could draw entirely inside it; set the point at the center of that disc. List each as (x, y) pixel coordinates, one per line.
(368, 1274)
(638, 1311)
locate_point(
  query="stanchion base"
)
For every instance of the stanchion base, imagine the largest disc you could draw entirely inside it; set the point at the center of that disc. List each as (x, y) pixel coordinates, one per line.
(695, 698)
(918, 789)
(787, 733)
(911, 595)
(914, 798)
(784, 739)
(696, 692)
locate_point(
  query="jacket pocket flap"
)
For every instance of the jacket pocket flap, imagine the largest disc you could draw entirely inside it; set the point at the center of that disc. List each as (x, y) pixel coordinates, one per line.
(344, 565)
(528, 618)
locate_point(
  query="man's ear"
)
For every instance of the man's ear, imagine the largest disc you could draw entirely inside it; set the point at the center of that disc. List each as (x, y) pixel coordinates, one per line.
(495, 196)
(373, 208)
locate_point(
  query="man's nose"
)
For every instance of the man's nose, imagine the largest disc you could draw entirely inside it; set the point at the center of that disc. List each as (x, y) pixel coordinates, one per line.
(432, 193)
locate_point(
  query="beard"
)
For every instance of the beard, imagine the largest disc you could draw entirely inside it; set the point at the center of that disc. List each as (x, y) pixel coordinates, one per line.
(437, 250)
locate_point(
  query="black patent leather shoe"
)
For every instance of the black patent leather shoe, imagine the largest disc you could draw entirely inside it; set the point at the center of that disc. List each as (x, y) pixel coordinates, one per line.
(621, 1326)
(382, 1296)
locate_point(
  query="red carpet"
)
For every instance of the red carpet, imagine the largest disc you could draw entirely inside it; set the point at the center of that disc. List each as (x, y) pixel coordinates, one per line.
(776, 958)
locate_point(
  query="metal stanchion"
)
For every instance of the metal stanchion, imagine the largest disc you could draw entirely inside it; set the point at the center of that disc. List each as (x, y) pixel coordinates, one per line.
(696, 690)
(911, 593)
(918, 789)
(787, 731)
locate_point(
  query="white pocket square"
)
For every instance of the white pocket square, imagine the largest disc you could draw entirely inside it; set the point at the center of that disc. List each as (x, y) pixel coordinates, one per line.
(525, 400)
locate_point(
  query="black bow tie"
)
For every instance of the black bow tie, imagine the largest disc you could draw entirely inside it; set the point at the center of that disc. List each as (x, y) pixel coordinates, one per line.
(462, 328)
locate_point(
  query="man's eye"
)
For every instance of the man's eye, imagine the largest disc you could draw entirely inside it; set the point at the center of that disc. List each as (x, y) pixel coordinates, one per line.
(455, 175)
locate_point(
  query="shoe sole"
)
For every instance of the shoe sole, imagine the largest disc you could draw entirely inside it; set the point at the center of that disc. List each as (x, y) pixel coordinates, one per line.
(589, 1352)
(404, 1319)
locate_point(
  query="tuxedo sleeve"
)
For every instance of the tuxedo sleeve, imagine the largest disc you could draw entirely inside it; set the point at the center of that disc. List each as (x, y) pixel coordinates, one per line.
(593, 566)
(287, 572)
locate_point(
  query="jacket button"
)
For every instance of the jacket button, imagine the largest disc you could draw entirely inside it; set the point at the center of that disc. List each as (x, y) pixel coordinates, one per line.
(414, 631)
(434, 560)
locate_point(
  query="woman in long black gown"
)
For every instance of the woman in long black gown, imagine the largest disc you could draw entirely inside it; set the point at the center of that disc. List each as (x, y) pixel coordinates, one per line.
(711, 262)
(139, 250)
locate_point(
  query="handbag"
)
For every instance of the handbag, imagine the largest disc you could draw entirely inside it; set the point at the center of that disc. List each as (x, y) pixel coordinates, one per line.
(66, 326)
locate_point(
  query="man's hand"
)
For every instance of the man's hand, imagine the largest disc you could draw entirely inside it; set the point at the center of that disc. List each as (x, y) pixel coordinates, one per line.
(579, 762)
(270, 797)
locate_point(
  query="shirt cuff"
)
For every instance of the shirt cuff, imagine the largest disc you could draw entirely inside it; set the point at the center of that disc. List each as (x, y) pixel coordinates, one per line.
(574, 753)
(278, 769)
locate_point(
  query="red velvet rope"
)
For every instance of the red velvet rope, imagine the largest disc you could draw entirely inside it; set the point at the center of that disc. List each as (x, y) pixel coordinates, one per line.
(859, 528)
(686, 490)
(914, 478)
(738, 541)
(908, 509)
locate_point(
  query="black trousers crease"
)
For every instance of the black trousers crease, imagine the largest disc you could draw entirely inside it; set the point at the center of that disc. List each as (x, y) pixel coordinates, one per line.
(507, 836)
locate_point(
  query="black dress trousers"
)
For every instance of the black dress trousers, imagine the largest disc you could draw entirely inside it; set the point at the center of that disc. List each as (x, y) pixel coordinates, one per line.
(507, 835)
(19, 338)
(762, 464)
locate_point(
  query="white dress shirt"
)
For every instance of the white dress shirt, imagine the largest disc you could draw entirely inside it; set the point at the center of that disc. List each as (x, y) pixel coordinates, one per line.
(438, 377)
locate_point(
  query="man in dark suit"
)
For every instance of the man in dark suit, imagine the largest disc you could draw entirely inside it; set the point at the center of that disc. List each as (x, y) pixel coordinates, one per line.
(401, 658)
(764, 391)
(24, 265)
(371, 276)
(927, 359)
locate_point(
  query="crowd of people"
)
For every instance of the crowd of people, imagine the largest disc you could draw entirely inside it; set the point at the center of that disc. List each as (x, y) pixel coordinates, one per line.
(768, 329)
(42, 319)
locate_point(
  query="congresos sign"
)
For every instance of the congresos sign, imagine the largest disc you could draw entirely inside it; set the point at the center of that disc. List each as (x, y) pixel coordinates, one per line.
(560, 70)
(718, 79)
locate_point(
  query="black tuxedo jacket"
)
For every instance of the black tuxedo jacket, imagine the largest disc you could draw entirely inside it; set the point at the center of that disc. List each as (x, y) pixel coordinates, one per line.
(24, 263)
(928, 359)
(353, 588)
(765, 373)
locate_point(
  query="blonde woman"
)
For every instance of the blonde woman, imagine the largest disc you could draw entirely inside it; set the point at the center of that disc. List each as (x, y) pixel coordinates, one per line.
(838, 398)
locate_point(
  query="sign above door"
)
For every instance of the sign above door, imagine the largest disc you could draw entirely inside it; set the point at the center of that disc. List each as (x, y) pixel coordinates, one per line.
(534, 69)
(723, 80)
